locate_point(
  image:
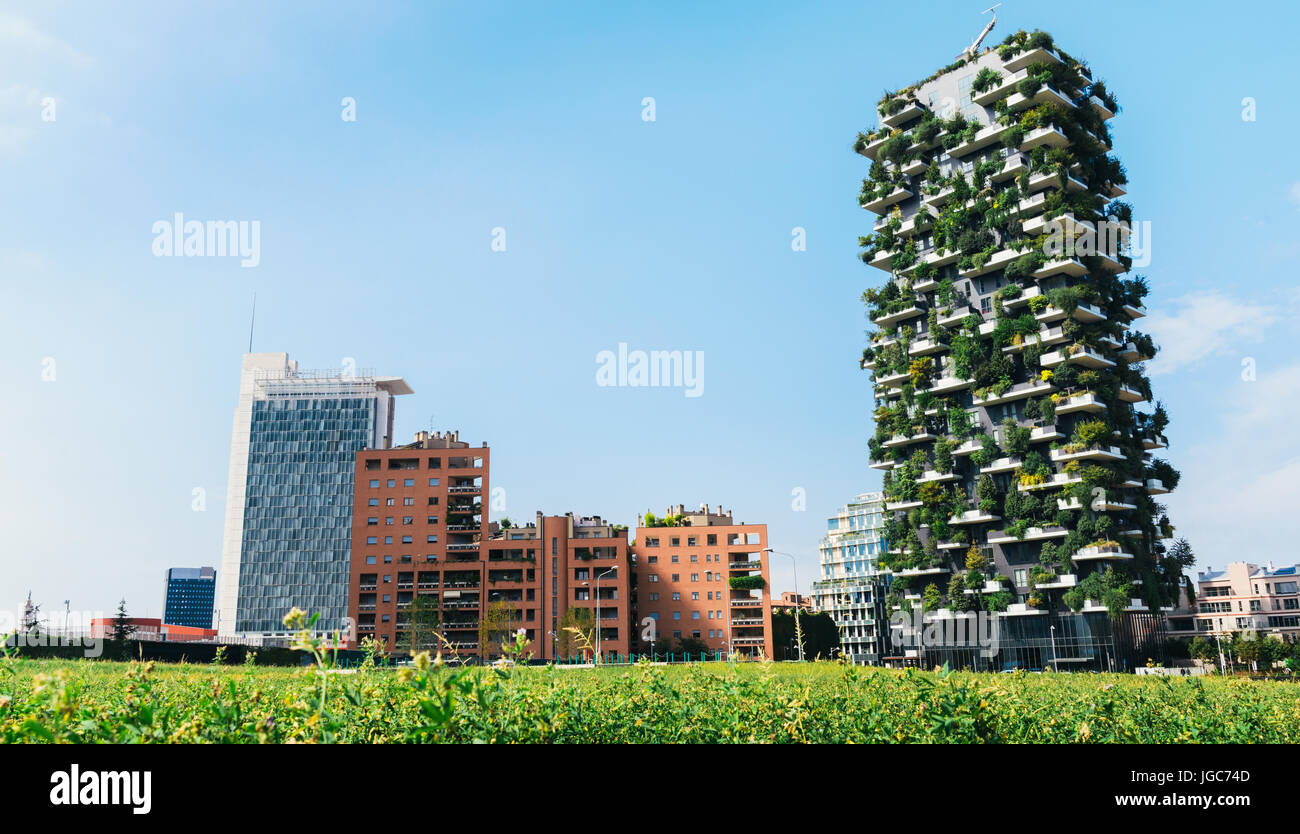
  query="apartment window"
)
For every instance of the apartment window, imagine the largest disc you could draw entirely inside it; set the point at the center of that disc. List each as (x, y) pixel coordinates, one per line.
(675, 541)
(677, 577)
(695, 595)
(554, 545)
(431, 539)
(677, 615)
(388, 502)
(370, 560)
(690, 541)
(654, 577)
(408, 482)
(408, 501)
(654, 596)
(374, 502)
(1285, 588)
(373, 521)
(433, 482)
(695, 615)
(433, 500)
(653, 560)
(1291, 604)
(374, 484)
(1022, 578)
(391, 483)
(677, 560)
(676, 596)
(695, 577)
(435, 463)
(372, 540)
(433, 519)
(407, 519)
(711, 539)
(695, 557)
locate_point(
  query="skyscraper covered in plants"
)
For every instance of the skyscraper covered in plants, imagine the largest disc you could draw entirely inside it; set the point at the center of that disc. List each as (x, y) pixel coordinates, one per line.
(1014, 424)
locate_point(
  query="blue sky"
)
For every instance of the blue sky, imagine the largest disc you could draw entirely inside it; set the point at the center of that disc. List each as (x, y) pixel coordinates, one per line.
(671, 234)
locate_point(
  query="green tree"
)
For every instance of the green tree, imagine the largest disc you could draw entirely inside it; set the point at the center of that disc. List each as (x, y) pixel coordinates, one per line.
(423, 623)
(122, 627)
(493, 627)
(576, 632)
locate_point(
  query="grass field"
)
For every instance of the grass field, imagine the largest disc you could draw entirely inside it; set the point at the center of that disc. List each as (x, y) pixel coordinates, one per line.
(85, 701)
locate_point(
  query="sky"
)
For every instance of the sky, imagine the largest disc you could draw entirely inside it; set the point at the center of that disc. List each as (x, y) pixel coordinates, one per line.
(478, 124)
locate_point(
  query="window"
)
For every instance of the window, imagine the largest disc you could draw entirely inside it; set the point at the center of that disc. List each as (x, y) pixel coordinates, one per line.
(391, 483)
(431, 539)
(406, 519)
(695, 615)
(675, 541)
(677, 595)
(374, 502)
(373, 521)
(677, 560)
(433, 482)
(690, 541)
(388, 539)
(712, 539)
(654, 577)
(695, 558)
(374, 484)
(370, 560)
(407, 540)
(408, 501)
(677, 577)
(677, 615)
(372, 540)
(695, 595)
(1022, 578)
(409, 482)
(695, 577)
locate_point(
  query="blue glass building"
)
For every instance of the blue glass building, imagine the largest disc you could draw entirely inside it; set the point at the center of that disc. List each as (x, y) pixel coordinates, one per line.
(289, 500)
(191, 593)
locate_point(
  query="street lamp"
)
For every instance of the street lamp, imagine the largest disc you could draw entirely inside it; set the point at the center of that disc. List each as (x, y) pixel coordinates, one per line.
(798, 630)
(1056, 667)
(596, 590)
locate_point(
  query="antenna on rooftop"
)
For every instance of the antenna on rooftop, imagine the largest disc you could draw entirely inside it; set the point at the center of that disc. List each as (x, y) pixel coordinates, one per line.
(969, 52)
(252, 319)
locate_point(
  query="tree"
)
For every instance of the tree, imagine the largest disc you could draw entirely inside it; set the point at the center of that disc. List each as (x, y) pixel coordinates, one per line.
(122, 627)
(31, 623)
(493, 627)
(820, 635)
(423, 623)
(692, 646)
(576, 632)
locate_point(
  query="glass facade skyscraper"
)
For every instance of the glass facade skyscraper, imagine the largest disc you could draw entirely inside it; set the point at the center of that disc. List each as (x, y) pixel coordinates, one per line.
(191, 593)
(850, 587)
(289, 499)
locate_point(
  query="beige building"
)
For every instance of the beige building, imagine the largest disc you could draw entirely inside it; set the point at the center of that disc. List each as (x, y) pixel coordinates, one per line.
(1243, 597)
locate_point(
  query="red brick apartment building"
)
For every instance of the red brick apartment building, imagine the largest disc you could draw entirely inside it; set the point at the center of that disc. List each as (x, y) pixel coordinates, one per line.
(418, 527)
(419, 530)
(562, 562)
(694, 580)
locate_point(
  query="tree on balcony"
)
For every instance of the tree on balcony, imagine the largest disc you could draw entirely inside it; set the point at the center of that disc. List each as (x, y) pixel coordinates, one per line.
(422, 624)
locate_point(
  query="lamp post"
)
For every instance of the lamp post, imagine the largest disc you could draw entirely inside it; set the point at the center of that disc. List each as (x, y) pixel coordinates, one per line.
(1055, 666)
(597, 591)
(798, 630)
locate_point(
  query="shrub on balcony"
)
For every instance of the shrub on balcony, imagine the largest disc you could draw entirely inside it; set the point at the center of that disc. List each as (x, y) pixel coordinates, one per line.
(984, 81)
(747, 583)
(987, 453)
(1015, 439)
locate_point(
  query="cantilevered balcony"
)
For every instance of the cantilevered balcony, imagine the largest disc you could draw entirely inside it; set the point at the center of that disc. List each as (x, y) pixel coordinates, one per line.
(974, 517)
(1095, 553)
(948, 384)
(1100, 106)
(1003, 87)
(934, 476)
(1155, 486)
(890, 319)
(1055, 179)
(983, 138)
(881, 260)
(1079, 402)
(1130, 394)
(1049, 135)
(1014, 164)
(1001, 465)
(904, 440)
(1041, 55)
(893, 380)
(898, 195)
(1109, 453)
(911, 110)
(1131, 353)
(998, 260)
(1135, 312)
(1045, 94)
(1076, 355)
(925, 345)
(1032, 534)
(1064, 580)
(1040, 434)
(893, 506)
(1057, 481)
(1045, 336)
(1019, 391)
(1065, 224)
(967, 447)
(1061, 266)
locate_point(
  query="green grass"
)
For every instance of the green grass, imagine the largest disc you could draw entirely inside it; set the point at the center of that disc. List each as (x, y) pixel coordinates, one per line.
(85, 701)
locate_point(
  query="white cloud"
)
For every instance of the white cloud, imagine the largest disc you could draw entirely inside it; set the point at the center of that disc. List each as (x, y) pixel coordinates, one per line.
(1240, 486)
(18, 34)
(1201, 324)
